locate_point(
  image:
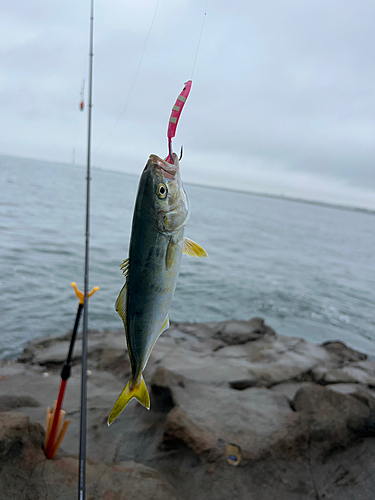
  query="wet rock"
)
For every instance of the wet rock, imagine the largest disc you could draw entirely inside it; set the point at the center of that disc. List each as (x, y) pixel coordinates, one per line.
(342, 353)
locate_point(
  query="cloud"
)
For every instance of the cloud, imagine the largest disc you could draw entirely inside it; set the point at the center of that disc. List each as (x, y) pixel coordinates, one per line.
(282, 89)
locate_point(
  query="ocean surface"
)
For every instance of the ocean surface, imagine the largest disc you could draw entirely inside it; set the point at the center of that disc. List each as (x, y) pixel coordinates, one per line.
(307, 269)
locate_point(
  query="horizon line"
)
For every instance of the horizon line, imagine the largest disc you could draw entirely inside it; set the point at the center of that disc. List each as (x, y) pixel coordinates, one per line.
(350, 208)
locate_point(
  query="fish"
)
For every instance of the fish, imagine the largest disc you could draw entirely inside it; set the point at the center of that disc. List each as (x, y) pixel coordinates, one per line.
(157, 242)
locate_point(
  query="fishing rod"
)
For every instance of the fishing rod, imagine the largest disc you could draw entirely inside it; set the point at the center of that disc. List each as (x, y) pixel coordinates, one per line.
(83, 420)
(56, 429)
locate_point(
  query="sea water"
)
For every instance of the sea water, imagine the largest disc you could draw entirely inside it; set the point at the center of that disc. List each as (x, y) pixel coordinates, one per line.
(307, 269)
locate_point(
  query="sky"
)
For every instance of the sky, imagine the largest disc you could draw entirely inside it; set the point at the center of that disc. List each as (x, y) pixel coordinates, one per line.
(282, 102)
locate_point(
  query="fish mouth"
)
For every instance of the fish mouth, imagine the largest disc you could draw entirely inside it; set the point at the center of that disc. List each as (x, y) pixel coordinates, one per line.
(169, 171)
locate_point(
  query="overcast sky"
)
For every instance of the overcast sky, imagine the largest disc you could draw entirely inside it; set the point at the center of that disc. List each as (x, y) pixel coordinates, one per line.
(283, 96)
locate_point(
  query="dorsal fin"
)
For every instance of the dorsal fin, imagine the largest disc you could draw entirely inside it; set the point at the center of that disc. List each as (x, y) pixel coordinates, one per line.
(125, 268)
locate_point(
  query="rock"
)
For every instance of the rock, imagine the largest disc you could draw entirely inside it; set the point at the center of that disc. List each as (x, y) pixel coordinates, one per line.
(333, 417)
(271, 361)
(342, 353)
(239, 332)
(26, 474)
(358, 373)
(8, 402)
(56, 354)
(221, 422)
(258, 421)
(347, 388)
(362, 372)
(179, 426)
(122, 481)
(116, 361)
(263, 363)
(369, 400)
(348, 475)
(289, 389)
(51, 352)
(204, 368)
(14, 427)
(326, 375)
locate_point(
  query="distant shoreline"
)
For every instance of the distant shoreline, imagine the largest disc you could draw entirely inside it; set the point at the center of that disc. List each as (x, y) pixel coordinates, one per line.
(347, 208)
(368, 211)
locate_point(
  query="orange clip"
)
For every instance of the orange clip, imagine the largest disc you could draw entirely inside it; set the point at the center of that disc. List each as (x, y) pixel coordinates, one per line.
(51, 448)
(81, 295)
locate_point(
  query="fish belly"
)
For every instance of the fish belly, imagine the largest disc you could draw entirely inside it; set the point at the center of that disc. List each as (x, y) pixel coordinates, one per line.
(151, 288)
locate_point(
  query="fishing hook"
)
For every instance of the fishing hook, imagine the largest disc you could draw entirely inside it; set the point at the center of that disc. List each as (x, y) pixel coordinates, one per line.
(170, 151)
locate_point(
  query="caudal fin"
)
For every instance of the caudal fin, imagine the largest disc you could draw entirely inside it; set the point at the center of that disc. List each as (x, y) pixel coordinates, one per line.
(129, 392)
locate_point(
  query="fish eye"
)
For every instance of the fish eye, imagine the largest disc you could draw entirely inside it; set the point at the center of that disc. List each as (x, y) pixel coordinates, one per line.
(161, 190)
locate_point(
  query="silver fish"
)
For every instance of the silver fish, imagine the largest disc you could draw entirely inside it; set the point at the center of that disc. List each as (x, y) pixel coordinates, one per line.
(157, 243)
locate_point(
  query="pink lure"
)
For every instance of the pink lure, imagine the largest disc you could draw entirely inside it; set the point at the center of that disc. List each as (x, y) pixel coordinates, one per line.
(175, 116)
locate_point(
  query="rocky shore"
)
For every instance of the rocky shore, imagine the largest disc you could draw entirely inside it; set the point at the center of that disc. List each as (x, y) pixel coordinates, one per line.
(237, 411)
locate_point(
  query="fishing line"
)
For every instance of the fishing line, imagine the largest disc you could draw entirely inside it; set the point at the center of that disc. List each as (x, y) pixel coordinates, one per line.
(199, 40)
(135, 78)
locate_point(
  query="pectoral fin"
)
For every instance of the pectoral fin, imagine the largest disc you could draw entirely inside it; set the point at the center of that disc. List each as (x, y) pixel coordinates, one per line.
(170, 255)
(193, 249)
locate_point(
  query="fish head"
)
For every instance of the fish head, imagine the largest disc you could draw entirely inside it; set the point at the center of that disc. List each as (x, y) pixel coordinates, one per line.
(164, 194)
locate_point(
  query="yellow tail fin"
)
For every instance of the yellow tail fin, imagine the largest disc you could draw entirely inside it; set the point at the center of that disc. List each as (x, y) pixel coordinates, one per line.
(129, 392)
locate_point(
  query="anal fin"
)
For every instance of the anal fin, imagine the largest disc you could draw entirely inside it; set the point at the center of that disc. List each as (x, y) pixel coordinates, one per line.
(121, 303)
(162, 329)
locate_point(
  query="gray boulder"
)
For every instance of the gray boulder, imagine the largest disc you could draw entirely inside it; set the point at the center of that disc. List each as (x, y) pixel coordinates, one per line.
(239, 332)
(333, 417)
(257, 421)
